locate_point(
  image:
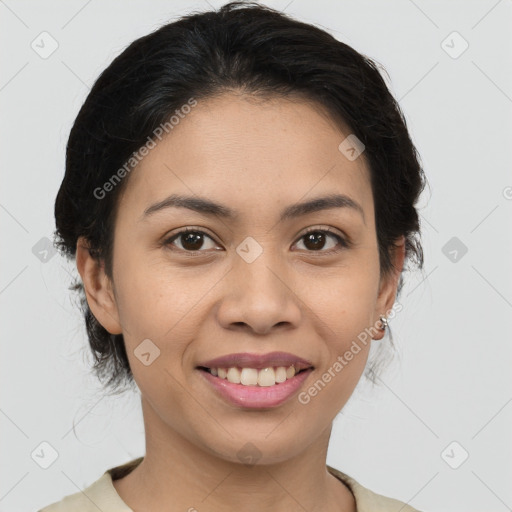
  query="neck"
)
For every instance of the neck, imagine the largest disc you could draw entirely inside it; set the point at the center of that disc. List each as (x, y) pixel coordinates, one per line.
(178, 471)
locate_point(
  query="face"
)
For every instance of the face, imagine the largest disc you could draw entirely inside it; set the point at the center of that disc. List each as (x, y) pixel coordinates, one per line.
(307, 283)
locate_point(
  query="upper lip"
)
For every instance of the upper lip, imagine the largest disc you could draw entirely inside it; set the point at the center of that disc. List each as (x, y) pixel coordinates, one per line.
(258, 361)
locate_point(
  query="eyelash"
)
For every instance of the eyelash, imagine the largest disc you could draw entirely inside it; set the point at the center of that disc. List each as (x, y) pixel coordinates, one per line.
(345, 244)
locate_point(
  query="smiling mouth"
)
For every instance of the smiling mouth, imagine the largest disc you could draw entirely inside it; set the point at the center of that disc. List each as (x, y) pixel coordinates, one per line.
(265, 377)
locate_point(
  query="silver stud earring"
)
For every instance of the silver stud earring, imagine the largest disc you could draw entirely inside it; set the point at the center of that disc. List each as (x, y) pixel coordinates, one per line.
(384, 322)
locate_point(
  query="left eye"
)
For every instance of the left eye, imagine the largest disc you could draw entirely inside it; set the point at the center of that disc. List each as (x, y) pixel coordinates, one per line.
(315, 239)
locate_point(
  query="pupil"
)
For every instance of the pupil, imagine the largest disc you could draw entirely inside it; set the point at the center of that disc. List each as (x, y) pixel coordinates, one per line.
(311, 238)
(194, 240)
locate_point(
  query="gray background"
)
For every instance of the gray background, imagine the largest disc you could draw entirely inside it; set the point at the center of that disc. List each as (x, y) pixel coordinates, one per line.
(452, 379)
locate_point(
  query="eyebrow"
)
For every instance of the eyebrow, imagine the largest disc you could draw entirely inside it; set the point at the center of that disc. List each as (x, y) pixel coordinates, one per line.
(207, 207)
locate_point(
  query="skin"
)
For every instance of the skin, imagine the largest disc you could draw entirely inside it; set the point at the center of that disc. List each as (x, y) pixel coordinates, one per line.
(256, 157)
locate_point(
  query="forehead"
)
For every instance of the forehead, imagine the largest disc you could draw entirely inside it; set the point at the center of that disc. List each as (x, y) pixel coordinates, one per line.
(248, 152)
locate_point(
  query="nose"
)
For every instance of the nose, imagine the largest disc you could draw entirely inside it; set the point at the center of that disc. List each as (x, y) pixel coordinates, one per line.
(259, 298)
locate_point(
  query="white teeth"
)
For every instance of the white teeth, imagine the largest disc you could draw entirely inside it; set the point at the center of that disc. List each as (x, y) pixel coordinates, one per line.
(280, 374)
(234, 375)
(249, 377)
(266, 377)
(253, 377)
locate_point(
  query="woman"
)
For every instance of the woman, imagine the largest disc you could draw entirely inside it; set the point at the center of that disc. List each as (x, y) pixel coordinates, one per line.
(239, 196)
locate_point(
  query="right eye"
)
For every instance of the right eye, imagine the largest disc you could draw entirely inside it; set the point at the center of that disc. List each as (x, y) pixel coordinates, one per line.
(191, 240)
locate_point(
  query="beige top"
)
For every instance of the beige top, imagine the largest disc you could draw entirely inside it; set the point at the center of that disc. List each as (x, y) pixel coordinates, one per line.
(102, 495)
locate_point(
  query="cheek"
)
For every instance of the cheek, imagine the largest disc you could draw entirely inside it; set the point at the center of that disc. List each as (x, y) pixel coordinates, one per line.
(346, 302)
(342, 320)
(334, 383)
(152, 306)
(143, 293)
(344, 312)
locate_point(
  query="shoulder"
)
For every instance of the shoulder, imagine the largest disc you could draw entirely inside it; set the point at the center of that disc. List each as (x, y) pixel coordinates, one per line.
(369, 501)
(100, 495)
(87, 500)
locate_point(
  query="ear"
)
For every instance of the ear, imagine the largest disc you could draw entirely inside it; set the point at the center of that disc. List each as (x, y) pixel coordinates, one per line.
(389, 284)
(98, 288)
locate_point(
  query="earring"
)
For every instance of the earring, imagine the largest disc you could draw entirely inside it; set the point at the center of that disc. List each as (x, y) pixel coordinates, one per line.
(384, 322)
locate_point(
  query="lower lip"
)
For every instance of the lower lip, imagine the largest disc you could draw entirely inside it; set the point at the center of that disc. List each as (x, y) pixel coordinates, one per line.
(257, 397)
